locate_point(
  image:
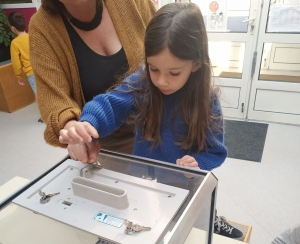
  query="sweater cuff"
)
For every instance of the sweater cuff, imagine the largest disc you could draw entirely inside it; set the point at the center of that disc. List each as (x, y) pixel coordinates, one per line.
(56, 121)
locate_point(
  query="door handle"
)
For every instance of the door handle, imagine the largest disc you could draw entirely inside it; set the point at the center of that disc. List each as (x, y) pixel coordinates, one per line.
(252, 24)
(247, 20)
(251, 20)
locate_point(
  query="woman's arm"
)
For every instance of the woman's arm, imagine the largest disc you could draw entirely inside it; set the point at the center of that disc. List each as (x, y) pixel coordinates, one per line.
(55, 91)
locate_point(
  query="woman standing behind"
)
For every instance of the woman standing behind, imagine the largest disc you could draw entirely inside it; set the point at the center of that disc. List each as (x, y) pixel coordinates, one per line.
(77, 50)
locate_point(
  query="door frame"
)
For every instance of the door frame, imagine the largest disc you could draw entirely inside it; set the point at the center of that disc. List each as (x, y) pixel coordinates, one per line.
(285, 88)
(243, 85)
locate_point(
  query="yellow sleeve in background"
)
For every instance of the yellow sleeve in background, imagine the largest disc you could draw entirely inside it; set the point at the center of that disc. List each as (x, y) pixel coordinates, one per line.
(15, 59)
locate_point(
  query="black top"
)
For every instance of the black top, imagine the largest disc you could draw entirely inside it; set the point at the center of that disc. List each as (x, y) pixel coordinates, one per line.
(97, 73)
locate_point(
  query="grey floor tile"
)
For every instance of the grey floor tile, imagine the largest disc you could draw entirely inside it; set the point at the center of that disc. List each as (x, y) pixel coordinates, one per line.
(227, 207)
(23, 150)
(269, 191)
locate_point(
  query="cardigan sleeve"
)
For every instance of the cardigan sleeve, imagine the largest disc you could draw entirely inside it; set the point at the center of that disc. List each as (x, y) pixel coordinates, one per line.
(107, 112)
(55, 95)
(216, 152)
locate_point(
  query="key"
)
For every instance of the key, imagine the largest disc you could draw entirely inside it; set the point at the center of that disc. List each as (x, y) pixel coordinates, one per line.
(127, 223)
(131, 228)
(128, 230)
(46, 197)
(138, 228)
(42, 194)
(53, 194)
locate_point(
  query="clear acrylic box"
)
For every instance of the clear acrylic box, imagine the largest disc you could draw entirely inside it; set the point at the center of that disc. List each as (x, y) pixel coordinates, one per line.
(177, 203)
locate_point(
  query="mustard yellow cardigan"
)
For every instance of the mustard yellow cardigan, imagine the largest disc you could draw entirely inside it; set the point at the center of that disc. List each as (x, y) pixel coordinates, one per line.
(59, 93)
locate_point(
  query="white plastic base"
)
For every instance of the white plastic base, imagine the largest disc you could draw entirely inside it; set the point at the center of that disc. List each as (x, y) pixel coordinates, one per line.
(151, 204)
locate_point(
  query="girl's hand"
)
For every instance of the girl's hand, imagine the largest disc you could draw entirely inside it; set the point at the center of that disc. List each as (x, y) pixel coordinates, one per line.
(21, 81)
(77, 133)
(84, 152)
(188, 161)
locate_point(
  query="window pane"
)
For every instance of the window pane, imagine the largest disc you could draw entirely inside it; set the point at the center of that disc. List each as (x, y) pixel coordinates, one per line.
(284, 16)
(227, 58)
(231, 12)
(280, 62)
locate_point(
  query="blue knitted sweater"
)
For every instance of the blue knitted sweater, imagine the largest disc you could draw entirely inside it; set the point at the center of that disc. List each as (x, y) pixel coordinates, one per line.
(107, 112)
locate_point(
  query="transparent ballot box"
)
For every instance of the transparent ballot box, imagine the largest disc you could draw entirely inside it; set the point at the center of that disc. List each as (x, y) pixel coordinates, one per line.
(123, 199)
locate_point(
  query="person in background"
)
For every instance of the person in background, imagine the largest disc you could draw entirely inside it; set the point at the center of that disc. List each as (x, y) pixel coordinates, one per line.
(78, 48)
(19, 51)
(289, 236)
(170, 100)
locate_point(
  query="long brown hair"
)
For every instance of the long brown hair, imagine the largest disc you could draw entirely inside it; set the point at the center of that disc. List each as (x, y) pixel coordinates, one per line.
(180, 28)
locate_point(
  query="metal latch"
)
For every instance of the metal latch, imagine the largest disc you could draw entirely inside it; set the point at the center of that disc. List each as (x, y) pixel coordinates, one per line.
(85, 170)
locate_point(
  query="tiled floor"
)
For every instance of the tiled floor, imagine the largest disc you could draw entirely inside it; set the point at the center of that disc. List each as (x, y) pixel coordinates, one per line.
(264, 195)
(23, 150)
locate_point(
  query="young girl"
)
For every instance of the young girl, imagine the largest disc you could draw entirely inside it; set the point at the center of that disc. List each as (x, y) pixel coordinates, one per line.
(176, 111)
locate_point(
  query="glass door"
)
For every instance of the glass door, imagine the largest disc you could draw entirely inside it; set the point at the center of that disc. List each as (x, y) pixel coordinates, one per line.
(231, 26)
(275, 92)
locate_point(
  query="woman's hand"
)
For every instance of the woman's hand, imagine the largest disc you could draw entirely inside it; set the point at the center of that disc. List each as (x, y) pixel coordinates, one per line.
(78, 132)
(79, 136)
(188, 161)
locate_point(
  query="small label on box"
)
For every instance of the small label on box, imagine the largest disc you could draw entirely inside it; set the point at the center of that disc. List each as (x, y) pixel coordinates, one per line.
(109, 220)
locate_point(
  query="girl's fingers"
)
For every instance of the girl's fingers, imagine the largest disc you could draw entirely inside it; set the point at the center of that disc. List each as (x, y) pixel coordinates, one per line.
(64, 137)
(186, 157)
(62, 140)
(92, 131)
(191, 165)
(187, 161)
(85, 131)
(77, 133)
